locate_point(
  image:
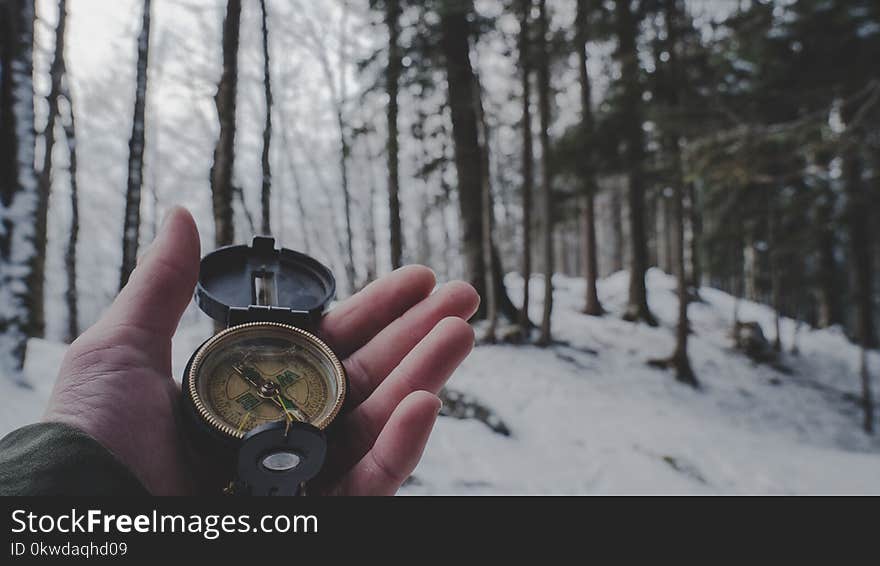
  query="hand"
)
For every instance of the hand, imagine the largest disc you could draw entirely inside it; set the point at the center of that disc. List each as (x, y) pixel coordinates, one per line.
(398, 342)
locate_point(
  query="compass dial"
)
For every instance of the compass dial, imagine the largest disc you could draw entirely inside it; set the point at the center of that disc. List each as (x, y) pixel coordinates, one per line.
(256, 373)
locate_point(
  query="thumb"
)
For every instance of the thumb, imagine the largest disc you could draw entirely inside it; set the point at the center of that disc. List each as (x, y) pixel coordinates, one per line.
(162, 284)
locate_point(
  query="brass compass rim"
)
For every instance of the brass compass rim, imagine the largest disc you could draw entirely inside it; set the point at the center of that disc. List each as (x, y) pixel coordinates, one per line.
(209, 346)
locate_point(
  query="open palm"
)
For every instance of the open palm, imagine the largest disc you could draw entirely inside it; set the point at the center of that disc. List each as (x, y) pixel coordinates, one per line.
(399, 342)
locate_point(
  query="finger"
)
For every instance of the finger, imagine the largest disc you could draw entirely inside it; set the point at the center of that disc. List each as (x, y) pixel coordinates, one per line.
(161, 286)
(355, 321)
(370, 365)
(398, 449)
(426, 368)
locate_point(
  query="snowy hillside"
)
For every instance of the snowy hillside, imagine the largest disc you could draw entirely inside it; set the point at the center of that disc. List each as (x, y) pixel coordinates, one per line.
(591, 417)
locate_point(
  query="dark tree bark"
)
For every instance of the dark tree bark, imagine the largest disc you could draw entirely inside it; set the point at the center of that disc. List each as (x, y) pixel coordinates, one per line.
(266, 192)
(18, 183)
(392, 86)
(679, 361)
(774, 256)
(486, 202)
(455, 46)
(132, 224)
(592, 306)
(616, 207)
(543, 75)
(826, 291)
(224, 152)
(631, 126)
(860, 257)
(696, 222)
(71, 294)
(525, 63)
(44, 181)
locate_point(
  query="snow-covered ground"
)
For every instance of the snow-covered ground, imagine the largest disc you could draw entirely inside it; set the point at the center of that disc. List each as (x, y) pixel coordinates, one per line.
(604, 422)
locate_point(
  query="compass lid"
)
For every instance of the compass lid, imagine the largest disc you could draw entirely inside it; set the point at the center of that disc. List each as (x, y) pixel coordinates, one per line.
(259, 283)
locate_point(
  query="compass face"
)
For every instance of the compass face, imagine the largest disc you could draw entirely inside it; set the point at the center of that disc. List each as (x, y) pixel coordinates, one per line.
(256, 373)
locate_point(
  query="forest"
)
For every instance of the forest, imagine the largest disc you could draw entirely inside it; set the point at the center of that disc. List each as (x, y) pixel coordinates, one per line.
(731, 144)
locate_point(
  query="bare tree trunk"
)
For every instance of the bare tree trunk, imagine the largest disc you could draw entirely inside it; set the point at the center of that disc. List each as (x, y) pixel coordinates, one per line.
(372, 263)
(775, 276)
(131, 228)
(337, 99)
(631, 102)
(827, 291)
(266, 192)
(776, 292)
(858, 219)
(750, 267)
(392, 84)
(71, 294)
(455, 34)
(696, 223)
(18, 182)
(525, 63)
(369, 173)
(486, 193)
(297, 185)
(679, 360)
(44, 181)
(346, 199)
(224, 152)
(667, 238)
(592, 306)
(867, 395)
(616, 230)
(543, 70)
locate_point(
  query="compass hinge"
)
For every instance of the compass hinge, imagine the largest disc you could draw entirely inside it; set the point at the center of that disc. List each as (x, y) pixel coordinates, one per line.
(266, 313)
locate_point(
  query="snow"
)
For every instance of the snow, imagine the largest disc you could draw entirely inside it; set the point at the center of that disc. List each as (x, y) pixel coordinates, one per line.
(605, 422)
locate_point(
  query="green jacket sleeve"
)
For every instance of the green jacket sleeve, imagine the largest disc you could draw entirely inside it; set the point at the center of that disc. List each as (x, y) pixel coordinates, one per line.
(57, 459)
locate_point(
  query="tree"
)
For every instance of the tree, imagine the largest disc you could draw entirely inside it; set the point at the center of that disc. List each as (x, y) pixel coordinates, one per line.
(592, 306)
(631, 125)
(69, 123)
(543, 75)
(44, 181)
(488, 217)
(673, 15)
(392, 87)
(455, 34)
(266, 192)
(338, 90)
(525, 64)
(18, 183)
(132, 223)
(224, 152)
(71, 293)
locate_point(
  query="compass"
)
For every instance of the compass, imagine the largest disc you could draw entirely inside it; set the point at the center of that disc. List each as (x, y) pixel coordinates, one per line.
(263, 391)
